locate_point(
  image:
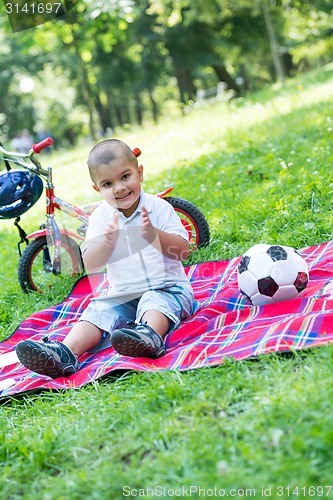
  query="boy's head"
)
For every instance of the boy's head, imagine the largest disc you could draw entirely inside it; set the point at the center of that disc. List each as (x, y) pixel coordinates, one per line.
(107, 152)
(116, 174)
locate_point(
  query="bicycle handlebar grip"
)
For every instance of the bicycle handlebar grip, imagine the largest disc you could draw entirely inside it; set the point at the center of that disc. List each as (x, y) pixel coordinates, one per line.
(42, 145)
(136, 152)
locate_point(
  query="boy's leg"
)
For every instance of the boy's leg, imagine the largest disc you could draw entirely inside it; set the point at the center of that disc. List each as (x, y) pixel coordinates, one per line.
(59, 359)
(157, 320)
(142, 340)
(82, 337)
(159, 312)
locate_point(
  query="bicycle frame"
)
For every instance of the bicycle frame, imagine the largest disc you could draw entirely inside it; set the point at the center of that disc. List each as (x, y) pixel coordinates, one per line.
(52, 231)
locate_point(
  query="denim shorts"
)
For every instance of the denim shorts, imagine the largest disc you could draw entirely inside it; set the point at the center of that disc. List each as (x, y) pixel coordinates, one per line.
(175, 302)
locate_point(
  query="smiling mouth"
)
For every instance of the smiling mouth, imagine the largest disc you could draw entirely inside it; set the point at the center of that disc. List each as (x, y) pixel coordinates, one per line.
(121, 198)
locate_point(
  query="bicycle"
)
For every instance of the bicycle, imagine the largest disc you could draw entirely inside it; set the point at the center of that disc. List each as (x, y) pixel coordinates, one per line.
(52, 251)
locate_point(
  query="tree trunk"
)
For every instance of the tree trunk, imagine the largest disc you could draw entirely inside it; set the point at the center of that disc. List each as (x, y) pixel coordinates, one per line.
(274, 44)
(138, 109)
(112, 110)
(124, 112)
(104, 114)
(117, 109)
(224, 76)
(82, 72)
(86, 95)
(185, 83)
(154, 106)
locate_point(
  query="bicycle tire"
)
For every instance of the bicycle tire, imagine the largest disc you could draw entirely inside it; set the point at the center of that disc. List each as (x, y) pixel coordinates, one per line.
(32, 275)
(193, 220)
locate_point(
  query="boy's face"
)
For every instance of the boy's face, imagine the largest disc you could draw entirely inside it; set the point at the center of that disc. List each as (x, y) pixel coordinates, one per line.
(119, 183)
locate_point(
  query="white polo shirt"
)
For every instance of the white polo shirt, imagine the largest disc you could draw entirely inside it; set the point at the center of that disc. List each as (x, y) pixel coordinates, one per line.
(135, 265)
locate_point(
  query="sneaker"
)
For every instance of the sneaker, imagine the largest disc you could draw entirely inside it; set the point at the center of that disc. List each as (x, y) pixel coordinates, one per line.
(138, 341)
(53, 359)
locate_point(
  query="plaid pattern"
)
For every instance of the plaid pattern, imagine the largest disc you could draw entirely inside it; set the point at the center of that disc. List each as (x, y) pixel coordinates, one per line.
(224, 326)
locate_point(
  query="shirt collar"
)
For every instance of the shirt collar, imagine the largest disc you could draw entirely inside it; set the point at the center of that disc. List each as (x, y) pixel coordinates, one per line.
(145, 201)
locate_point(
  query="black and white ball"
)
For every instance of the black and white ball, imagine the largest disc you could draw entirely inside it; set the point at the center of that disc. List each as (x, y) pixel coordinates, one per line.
(271, 273)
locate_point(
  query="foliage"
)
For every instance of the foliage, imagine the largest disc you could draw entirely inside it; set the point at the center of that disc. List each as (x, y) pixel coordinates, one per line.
(117, 63)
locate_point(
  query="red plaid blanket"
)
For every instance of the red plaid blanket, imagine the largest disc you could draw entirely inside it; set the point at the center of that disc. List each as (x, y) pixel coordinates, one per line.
(224, 326)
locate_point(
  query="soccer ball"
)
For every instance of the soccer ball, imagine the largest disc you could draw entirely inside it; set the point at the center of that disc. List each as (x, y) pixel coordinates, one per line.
(270, 273)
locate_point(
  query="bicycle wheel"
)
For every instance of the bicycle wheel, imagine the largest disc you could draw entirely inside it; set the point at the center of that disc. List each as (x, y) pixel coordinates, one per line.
(193, 220)
(35, 271)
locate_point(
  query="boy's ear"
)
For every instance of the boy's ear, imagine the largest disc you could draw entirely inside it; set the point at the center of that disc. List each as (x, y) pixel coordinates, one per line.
(140, 170)
(95, 187)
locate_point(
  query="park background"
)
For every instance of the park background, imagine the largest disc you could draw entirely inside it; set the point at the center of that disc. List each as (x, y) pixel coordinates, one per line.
(109, 64)
(256, 162)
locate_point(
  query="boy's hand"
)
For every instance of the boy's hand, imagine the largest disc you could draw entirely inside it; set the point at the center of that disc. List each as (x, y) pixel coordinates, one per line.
(149, 232)
(111, 231)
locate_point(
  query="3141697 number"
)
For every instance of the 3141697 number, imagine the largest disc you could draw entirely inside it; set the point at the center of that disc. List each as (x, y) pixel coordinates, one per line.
(33, 8)
(304, 491)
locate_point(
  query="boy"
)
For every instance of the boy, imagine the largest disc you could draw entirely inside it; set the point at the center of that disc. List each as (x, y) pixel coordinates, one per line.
(142, 241)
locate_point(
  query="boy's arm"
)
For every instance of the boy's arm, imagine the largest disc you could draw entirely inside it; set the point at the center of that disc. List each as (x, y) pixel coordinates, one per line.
(171, 245)
(97, 251)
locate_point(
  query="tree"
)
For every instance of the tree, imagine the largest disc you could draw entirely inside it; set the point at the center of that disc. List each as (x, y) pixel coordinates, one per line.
(16, 62)
(110, 59)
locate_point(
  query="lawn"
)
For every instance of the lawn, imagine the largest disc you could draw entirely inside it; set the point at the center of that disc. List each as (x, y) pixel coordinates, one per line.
(259, 169)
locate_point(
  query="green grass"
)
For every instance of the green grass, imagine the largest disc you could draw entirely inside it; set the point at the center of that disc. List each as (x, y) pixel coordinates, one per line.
(260, 170)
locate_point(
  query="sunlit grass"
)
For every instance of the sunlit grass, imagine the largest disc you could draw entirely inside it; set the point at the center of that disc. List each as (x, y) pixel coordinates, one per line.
(174, 142)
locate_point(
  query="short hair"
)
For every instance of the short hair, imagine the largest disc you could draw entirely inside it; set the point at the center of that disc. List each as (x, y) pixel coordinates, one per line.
(106, 152)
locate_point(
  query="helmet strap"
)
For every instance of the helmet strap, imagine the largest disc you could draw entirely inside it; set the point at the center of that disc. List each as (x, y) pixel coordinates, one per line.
(22, 233)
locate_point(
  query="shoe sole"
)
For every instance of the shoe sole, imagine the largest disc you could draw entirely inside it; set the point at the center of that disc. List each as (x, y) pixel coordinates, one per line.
(37, 360)
(135, 348)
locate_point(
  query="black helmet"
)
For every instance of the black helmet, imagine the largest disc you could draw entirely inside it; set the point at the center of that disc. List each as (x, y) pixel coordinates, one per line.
(19, 191)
